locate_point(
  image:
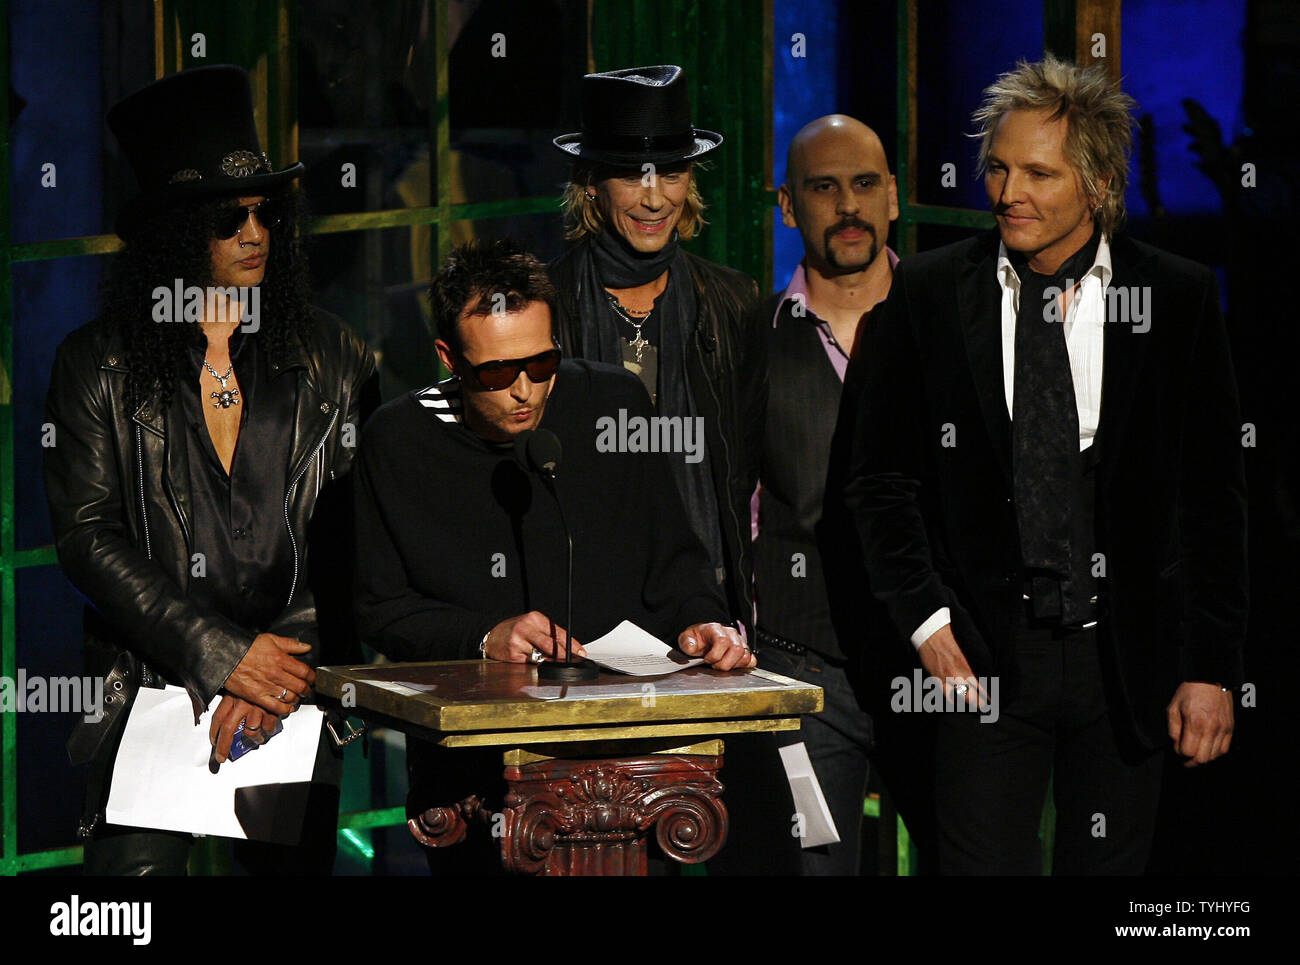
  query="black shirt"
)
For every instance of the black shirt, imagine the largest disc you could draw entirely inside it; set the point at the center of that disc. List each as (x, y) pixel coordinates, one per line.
(453, 537)
(239, 522)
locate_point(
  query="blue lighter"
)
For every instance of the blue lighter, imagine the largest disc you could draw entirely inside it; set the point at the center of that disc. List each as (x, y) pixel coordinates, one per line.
(239, 746)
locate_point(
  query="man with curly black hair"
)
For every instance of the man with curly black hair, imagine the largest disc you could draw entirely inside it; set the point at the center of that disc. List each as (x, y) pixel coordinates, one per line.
(203, 426)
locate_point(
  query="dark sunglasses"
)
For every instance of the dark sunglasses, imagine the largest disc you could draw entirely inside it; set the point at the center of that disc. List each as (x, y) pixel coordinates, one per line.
(269, 214)
(502, 373)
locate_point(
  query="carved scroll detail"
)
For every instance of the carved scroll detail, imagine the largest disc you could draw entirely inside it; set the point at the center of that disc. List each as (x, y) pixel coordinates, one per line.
(445, 826)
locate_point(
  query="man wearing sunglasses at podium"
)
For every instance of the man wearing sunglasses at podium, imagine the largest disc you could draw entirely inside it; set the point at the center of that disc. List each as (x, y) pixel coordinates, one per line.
(461, 551)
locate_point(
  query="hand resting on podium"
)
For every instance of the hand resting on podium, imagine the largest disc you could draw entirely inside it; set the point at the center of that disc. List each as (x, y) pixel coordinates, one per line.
(517, 639)
(720, 646)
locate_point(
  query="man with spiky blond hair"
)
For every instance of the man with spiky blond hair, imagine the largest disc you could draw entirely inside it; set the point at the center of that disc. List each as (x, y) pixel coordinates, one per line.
(1047, 480)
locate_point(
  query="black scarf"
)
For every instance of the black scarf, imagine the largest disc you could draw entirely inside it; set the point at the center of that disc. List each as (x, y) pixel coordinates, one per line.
(622, 266)
(1045, 427)
(606, 260)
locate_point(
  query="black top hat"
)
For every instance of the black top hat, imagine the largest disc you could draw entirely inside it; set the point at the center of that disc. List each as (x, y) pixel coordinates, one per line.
(636, 115)
(192, 135)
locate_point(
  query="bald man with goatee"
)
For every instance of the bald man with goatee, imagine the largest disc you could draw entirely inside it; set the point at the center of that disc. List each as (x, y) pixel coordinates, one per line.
(839, 194)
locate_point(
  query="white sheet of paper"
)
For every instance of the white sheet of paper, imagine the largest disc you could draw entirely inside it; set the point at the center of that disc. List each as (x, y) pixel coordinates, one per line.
(161, 777)
(629, 649)
(809, 801)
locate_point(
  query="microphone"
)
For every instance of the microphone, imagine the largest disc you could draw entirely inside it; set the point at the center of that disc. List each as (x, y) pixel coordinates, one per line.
(539, 451)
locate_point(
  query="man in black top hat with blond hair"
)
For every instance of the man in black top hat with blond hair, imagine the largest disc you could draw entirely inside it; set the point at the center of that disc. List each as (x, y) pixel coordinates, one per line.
(203, 424)
(629, 295)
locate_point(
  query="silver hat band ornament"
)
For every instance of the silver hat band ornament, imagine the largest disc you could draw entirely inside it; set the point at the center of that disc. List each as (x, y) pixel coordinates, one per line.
(236, 164)
(243, 164)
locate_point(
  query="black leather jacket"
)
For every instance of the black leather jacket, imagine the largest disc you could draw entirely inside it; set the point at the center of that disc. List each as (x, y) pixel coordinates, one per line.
(117, 483)
(726, 354)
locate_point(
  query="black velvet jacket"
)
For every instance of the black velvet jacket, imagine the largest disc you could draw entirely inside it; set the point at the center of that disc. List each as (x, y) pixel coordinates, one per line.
(726, 353)
(938, 521)
(117, 483)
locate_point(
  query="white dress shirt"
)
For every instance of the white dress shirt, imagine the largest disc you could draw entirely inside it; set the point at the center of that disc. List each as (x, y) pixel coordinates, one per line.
(1085, 323)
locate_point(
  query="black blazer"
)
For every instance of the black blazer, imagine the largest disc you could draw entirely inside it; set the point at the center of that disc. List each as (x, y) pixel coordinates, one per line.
(938, 522)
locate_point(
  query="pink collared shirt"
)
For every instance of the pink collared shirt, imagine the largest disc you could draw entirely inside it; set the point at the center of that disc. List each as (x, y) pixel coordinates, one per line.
(798, 288)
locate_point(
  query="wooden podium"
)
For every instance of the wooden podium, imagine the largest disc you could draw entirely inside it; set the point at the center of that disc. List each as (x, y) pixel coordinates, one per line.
(591, 768)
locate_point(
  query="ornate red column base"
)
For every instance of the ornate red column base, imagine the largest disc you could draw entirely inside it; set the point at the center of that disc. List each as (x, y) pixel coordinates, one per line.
(565, 817)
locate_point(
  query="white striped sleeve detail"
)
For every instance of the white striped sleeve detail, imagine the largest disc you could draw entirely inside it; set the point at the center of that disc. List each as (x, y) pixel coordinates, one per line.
(444, 399)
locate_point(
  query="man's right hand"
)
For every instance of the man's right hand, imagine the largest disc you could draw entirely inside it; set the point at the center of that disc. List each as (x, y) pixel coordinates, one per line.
(268, 669)
(258, 725)
(514, 640)
(942, 658)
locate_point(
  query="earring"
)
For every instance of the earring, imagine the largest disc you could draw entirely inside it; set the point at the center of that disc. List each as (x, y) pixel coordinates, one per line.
(589, 197)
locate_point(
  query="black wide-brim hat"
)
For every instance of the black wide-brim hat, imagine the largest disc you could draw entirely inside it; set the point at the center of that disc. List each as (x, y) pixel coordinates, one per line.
(637, 115)
(192, 135)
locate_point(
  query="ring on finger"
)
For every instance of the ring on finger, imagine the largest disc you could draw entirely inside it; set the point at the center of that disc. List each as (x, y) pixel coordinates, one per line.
(283, 694)
(536, 656)
(961, 689)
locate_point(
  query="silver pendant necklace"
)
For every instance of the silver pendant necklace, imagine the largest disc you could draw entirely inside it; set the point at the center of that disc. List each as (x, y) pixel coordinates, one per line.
(226, 397)
(639, 343)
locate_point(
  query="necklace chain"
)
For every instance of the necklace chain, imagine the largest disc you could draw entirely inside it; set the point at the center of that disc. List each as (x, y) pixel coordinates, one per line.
(219, 378)
(226, 397)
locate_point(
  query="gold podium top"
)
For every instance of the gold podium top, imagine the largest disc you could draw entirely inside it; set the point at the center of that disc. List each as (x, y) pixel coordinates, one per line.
(485, 702)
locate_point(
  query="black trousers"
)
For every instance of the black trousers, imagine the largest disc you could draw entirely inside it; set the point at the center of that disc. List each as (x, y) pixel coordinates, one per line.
(1052, 723)
(117, 850)
(838, 741)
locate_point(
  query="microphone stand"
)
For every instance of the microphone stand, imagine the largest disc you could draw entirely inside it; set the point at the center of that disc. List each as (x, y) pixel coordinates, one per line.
(553, 670)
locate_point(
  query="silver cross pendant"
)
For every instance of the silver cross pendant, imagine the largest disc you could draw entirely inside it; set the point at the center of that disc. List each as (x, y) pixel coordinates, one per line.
(638, 344)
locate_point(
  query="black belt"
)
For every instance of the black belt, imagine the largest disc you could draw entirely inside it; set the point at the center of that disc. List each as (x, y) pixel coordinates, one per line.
(767, 639)
(1028, 604)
